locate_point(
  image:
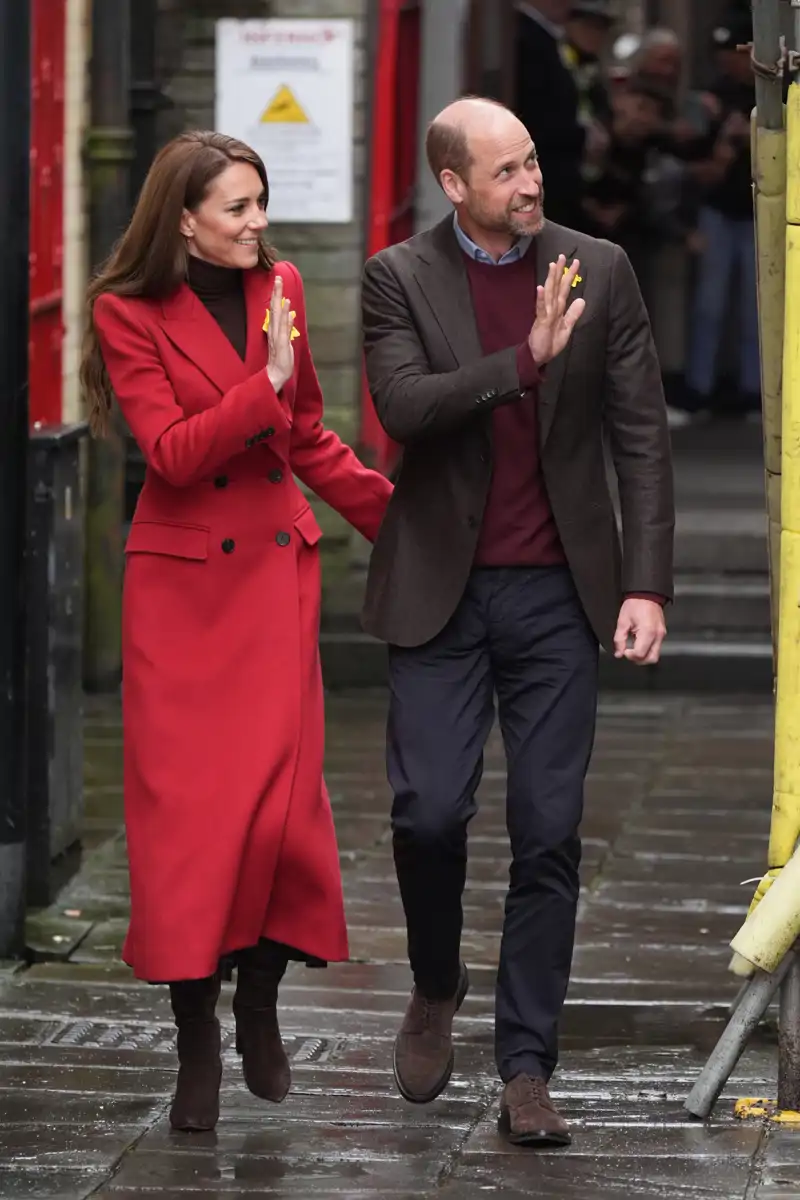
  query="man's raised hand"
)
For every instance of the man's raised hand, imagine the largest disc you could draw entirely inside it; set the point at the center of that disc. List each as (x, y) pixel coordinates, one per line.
(555, 318)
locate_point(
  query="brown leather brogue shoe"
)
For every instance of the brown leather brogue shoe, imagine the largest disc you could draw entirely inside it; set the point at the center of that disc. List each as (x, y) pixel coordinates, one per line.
(423, 1050)
(528, 1116)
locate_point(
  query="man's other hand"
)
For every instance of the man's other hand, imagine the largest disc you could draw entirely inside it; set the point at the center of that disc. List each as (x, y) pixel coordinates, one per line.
(641, 621)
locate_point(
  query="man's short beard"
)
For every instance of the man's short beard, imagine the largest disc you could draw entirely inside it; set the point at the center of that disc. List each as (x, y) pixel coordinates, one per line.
(507, 222)
(516, 228)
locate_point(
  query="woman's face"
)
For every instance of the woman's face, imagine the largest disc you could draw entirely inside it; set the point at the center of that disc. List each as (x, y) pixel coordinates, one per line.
(226, 228)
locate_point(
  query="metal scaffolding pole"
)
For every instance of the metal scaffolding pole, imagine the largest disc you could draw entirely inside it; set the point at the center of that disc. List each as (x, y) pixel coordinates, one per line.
(109, 152)
(755, 1001)
(789, 1013)
(14, 222)
(766, 44)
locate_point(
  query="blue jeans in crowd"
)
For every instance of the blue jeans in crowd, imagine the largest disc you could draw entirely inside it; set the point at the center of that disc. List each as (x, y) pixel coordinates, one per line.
(728, 260)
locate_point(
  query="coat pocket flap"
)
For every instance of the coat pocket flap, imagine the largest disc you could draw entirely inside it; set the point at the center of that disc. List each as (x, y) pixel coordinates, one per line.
(164, 537)
(306, 525)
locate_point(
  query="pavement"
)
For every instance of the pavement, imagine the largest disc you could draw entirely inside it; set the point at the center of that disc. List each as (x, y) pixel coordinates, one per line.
(678, 802)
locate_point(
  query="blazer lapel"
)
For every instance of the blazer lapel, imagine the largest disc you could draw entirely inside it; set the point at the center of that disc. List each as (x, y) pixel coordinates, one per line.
(551, 242)
(442, 277)
(189, 325)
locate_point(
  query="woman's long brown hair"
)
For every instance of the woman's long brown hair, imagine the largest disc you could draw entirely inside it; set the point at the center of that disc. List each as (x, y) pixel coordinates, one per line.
(150, 259)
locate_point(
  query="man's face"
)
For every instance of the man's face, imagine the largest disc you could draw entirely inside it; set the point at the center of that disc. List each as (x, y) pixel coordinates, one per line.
(503, 191)
(637, 117)
(663, 62)
(589, 34)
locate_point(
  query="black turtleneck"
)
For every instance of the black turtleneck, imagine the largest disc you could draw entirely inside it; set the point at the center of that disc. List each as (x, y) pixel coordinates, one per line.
(221, 289)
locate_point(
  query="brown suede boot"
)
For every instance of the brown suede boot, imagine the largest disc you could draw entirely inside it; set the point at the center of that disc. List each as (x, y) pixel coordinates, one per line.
(196, 1104)
(258, 1037)
(528, 1116)
(423, 1051)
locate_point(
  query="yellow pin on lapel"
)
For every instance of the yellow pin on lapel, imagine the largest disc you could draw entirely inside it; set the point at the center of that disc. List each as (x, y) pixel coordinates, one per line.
(578, 278)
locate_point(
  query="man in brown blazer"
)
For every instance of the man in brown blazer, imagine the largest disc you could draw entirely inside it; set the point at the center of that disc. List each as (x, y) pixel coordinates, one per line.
(502, 351)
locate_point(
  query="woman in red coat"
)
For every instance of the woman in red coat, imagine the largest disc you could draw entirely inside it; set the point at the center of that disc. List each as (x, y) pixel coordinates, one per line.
(202, 338)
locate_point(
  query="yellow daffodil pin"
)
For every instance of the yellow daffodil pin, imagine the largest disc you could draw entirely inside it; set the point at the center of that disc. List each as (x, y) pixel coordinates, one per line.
(265, 326)
(578, 278)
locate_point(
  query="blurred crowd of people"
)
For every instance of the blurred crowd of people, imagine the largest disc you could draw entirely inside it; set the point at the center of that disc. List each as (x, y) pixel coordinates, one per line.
(629, 154)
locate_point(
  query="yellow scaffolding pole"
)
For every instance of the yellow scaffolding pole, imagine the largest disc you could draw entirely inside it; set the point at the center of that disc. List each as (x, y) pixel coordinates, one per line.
(765, 946)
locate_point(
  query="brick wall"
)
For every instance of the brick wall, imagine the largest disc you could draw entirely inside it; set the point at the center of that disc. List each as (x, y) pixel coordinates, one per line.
(329, 257)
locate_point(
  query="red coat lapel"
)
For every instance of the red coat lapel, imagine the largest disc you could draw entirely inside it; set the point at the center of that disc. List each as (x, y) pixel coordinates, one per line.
(257, 295)
(190, 327)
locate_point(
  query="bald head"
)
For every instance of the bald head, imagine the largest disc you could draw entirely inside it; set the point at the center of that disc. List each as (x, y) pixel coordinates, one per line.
(486, 164)
(463, 132)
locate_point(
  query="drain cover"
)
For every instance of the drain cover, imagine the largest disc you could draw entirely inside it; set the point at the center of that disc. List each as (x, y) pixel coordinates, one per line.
(315, 1049)
(104, 1035)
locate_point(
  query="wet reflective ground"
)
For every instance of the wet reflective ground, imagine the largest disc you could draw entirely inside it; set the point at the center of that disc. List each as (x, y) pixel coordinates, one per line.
(678, 807)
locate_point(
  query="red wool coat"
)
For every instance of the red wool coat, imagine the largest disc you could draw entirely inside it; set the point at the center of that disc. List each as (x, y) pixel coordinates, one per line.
(230, 834)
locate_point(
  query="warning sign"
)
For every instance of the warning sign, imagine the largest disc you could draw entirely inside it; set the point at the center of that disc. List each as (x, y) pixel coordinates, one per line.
(285, 86)
(284, 109)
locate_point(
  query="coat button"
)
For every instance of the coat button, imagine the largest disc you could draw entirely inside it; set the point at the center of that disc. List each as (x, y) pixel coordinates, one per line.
(268, 432)
(275, 476)
(228, 546)
(283, 539)
(221, 481)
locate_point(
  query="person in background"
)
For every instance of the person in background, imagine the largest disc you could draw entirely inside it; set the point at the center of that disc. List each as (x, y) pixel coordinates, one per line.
(659, 59)
(720, 164)
(615, 182)
(547, 102)
(589, 29)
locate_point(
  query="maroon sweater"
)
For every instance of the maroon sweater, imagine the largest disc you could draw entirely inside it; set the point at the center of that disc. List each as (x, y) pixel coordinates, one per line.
(518, 528)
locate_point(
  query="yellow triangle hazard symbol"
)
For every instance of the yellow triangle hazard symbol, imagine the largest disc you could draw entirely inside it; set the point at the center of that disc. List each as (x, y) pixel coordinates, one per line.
(284, 107)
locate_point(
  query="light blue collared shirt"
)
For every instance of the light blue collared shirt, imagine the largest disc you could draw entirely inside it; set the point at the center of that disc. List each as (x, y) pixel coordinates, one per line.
(517, 251)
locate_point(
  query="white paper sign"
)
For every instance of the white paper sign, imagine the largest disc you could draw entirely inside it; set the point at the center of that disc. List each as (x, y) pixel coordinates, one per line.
(285, 87)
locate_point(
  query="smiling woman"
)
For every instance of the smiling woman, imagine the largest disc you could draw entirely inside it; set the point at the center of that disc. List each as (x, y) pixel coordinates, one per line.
(226, 229)
(232, 850)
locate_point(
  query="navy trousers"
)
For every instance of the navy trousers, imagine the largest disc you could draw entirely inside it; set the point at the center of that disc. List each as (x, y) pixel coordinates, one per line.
(520, 634)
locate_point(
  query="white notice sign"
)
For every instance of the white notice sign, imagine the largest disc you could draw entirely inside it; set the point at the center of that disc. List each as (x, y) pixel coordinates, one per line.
(286, 88)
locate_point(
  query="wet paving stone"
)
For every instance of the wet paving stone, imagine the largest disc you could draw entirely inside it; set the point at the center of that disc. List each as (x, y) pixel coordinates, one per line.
(103, 943)
(354, 1108)
(560, 1175)
(623, 1139)
(61, 1145)
(54, 936)
(783, 1149)
(35, 1109)
(677, 813)
(255, 1167)
(41, 1183)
